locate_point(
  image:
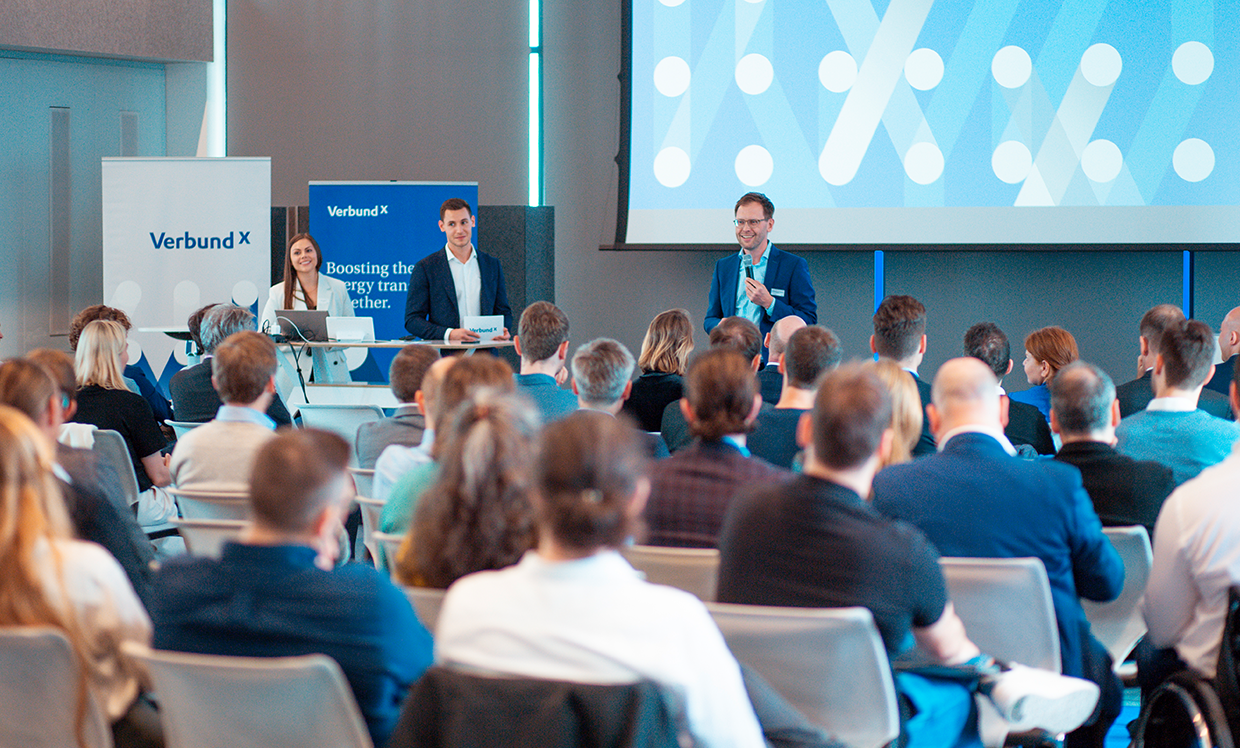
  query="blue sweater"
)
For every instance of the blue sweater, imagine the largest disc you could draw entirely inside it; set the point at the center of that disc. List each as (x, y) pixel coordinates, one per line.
(1185, 441)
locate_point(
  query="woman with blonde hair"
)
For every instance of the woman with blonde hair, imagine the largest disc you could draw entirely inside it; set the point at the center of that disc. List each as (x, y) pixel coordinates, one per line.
(477, 515)
(906, 412)
(52, 580)
(1046, 352)
(104, 402)
(664, 356)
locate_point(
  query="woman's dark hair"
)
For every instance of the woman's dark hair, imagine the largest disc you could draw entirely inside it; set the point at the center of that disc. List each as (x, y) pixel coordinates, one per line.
(588, 467)
(290, 275)
(478, 514)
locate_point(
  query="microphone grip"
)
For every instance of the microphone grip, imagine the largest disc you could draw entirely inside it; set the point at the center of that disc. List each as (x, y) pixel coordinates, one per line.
(749, 272)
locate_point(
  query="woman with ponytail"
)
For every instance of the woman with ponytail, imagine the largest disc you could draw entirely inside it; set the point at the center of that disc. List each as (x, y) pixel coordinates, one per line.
(76, 587)
(574, 610)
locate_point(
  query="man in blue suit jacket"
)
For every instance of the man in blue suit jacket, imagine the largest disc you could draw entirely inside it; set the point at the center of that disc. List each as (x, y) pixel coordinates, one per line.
(776, 283)
(975, 499)
(460, 281)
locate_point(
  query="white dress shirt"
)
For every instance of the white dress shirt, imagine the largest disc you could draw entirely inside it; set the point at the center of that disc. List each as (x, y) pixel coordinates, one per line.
(594, 620)
(395, 460)
(467, 282)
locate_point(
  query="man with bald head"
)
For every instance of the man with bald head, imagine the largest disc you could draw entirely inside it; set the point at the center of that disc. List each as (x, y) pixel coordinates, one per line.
(974, 498)
(770, 379)
(1228, 346)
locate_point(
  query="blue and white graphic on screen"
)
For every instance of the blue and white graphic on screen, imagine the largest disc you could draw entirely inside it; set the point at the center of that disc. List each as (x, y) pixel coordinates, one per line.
(863, 104)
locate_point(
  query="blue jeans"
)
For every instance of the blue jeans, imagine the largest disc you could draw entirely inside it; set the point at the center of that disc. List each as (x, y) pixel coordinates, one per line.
(944, 714)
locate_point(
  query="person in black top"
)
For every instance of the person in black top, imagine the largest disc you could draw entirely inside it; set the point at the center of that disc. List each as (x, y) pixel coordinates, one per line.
(1025, 424)
(665, 353)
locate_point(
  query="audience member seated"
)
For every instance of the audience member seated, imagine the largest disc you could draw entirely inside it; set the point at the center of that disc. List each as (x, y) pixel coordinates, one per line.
(408, 424)
(665, 353)
(160, 406)
(1195, 563)
(461, 381)
(770, 377)
(1229, 347)
(900, 335)
(193, 397)
(219, 455)
(193, 323)
(1025, 423)
(1084, 412)
(1046, 352)
(809, 353)
(27, 387)
(397, 459)
(816, 543)
(542, 344)
(690, 492)
(596, 620)
(735, 334)
(906, 412)
(69, 585)
(1135, 395)
(974, 498)
(602, 373)
(105, 402)
(477, 514)
(275, 593)
(1172, 430)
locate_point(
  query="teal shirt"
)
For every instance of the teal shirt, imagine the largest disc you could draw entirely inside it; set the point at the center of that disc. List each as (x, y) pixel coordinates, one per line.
(398, 512)
(1185, 441)
(744, 307)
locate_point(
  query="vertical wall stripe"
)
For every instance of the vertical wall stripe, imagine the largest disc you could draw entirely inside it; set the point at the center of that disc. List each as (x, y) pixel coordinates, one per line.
(880, 292)
(60, 222)
(1188, 283)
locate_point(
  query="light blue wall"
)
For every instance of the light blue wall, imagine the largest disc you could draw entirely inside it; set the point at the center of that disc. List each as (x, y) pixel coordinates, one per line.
(95, 92)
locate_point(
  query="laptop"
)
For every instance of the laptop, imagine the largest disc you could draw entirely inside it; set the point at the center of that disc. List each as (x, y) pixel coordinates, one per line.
(303, 324)
(351, 329)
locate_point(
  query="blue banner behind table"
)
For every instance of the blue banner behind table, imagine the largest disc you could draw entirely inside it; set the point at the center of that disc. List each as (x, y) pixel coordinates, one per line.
(372, 234)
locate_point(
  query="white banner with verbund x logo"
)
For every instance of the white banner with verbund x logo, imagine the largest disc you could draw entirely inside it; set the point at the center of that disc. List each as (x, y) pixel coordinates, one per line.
(179, 233)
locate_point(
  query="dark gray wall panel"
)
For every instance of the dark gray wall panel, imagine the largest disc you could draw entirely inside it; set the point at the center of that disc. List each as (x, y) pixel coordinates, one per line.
(1216, 286)
(1097, 296)
(139, 29)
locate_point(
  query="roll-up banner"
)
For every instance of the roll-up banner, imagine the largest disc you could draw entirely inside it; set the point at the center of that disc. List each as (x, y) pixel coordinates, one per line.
(179, 233)
(371, 235)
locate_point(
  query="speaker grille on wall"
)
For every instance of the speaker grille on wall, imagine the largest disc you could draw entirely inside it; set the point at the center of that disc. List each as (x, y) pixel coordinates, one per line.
(60, 236)
(129, 133)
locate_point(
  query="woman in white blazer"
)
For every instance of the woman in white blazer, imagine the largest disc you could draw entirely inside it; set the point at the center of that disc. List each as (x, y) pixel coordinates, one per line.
(304, 288)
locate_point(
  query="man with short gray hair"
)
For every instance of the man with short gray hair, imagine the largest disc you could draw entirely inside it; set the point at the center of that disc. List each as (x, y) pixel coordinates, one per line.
(602, 381)
(194, 398)
(1084, 412)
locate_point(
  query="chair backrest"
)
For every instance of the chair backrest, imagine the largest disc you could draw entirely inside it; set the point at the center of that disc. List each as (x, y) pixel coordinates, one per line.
(110, 446)
(372, 510)
(39, 692)
(209, 701)
(342, 419)
(426, 603)
(363, 480)
(206, 537)
(389, 545)
(181, 428)
(693, 570)
(829, 663)
(234, 505)
(1119, 624)
(1006, 607)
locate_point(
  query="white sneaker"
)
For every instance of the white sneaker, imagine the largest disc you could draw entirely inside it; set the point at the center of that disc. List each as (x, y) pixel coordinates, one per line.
(1032, 698)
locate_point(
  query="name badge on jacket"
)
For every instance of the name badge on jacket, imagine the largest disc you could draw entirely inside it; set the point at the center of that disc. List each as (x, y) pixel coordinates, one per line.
(777, 292)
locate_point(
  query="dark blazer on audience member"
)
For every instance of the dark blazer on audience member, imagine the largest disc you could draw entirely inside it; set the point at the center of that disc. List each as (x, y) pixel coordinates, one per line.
(771, 383)
(925, 442)
(774, 437)
(1124, 491)
(195, 400)
(1135, 395)
(651, 393)
(1027, 426)
(675, 428)
(430, 307)
(690, 492)
(1221, 381)
(405, 427)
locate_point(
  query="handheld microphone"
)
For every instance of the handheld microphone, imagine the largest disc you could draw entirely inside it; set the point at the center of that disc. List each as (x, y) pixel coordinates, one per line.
(747, 264)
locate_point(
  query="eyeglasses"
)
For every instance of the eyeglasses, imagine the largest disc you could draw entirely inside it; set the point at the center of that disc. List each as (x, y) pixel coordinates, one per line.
(752, 223)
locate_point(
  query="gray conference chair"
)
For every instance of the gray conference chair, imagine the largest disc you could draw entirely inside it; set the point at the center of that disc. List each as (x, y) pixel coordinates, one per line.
(363, 480)
(372, 509)
(693, 570)
(1119, 624)
(427, 603)
(181, 428)
(110, 446)
(1006, 607)
(829, 663)
(233, 505)
(206, 537)
(39, 692)
(341, 419)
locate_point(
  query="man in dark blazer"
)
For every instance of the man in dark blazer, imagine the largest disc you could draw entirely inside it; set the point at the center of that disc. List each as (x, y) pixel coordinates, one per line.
(1025, 424)
(436, 302)
(976, 499)
(776, 283)
(1229, 347)
(770, 378)
(1135, 395)
(1084, 412)
(900, 335)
